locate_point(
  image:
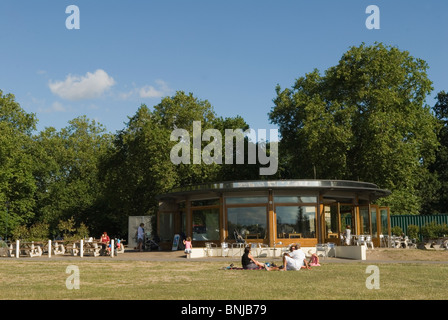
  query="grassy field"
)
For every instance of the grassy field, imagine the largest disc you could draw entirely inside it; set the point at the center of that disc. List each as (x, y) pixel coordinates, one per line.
(194, 280)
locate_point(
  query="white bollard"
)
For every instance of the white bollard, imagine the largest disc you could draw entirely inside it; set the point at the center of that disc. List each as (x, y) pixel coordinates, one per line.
(81, 248)
(17, 249)
(49, 248)
(112, 249)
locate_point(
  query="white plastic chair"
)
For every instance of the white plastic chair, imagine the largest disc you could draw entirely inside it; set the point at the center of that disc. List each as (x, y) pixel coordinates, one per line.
(369, 241)
(262, 250)
(209, 248)
(224, 249)
(331, 247)
(361, 241)
(320, 247)
(239, 246)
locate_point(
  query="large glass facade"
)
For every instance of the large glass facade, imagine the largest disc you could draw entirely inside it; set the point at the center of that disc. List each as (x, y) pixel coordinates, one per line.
(272, 211)
(296, 221)
(249, 222)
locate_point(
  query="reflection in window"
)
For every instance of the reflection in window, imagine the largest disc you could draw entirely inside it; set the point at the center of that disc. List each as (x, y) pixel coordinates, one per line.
(374, 225)
(331, 222)
(384, 222)
(295, 199)
(206, 202)
(296, 221)
(249, 222)
(364, 216)
(243, 200)
(206, 224)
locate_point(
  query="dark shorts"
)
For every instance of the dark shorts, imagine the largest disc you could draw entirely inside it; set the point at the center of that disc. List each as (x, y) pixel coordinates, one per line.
(251, 266)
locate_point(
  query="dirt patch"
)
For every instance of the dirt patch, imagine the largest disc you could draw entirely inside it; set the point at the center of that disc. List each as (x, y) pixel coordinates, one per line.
(407, 255)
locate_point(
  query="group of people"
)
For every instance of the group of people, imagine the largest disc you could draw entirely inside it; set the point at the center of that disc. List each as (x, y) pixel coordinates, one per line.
(295, 259)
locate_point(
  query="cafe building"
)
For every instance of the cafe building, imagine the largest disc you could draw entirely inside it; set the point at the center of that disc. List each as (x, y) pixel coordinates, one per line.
(270, 212)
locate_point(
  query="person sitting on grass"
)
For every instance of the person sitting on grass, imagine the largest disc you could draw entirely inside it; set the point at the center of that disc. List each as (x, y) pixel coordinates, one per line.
(294, 260)
(248, 261)
(314, 260)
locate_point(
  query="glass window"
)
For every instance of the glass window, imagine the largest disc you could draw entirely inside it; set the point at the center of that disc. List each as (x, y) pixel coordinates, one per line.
(346, 218)
(296, 221)
(206, 202)
(295, 199)
(244, 200)
(384, 222)
(374, 224)
(331, 221)
(364, 216)
(206, 224)
(250, 222)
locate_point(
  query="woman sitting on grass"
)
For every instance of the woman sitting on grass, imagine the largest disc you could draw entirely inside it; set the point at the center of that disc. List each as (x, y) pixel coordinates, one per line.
(248, 261)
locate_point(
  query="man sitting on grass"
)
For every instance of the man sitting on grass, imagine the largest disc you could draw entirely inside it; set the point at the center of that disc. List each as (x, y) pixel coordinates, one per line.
(294, 260)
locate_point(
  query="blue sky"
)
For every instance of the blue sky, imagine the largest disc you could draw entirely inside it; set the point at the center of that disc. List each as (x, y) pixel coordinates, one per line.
(231, 53)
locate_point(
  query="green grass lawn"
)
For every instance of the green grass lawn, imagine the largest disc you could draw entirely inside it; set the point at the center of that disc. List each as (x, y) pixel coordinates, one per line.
(194, 280)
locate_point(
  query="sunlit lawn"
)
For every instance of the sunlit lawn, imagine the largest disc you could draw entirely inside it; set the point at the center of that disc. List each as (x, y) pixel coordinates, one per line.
(109, 279)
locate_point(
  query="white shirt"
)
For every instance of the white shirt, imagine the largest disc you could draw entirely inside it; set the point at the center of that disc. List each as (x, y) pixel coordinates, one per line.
(295, 260)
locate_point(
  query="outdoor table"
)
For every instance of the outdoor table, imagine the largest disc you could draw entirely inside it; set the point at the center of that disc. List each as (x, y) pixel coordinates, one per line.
(58, 247)
(32, 249)
(92, 247)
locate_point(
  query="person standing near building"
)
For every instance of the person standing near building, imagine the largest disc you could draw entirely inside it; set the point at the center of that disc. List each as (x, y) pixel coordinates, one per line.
(348, 237)
(140, 237)
(188, 245)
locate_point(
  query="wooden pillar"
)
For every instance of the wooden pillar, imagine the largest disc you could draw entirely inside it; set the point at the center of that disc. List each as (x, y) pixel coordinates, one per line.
(188, 218)
(319, 215)
(223, 220)
(271, 223)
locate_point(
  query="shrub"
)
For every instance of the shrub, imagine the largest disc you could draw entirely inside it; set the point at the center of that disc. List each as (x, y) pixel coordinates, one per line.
(396, 231)
(433, 230)
(70, 232)
(36, 232)
(413, 231)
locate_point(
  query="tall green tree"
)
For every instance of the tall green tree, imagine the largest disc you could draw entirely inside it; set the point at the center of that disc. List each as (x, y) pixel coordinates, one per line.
(17, 185)
(363, 119)
(67, 172)
(437, 199)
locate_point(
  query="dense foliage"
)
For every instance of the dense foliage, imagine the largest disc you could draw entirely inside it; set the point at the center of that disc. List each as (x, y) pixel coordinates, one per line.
(364, 119)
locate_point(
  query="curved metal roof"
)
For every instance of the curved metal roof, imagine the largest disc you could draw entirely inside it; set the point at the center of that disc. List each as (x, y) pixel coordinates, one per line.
(258, 185)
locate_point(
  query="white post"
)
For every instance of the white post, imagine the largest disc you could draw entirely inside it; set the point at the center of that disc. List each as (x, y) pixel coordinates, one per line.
(49, 248)
(17, 249)
(81, 248)
(112, 249)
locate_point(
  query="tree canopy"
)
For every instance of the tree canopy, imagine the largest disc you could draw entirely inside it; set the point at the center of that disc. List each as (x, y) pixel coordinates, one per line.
(364, 119)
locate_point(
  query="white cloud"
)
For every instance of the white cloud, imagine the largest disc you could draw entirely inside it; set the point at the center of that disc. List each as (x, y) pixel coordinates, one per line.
(161, 90)
(90, 86)
(151, 92)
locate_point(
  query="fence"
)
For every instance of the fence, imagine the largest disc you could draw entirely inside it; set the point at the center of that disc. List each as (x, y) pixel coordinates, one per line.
(403, 221)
